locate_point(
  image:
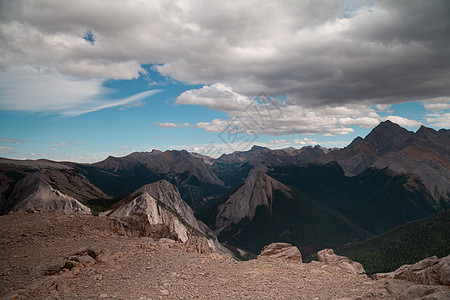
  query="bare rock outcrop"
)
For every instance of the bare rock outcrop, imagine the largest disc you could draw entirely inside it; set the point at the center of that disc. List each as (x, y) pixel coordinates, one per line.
(329, 257)
(160, 203)
(257, 190)
(137, 225)
(426, 279)
(281, 251)
(428, 271)
(63, 190)
(403, 289)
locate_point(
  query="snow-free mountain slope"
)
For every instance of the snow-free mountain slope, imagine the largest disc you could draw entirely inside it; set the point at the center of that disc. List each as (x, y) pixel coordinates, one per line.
(62, 190)
(168, 162)
(374, 200)
(162, 204)
(425, 154)
(263, 210)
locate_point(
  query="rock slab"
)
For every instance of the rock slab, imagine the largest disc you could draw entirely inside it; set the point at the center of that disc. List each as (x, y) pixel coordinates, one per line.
(282, 251)
(428, 271)
(329, 257)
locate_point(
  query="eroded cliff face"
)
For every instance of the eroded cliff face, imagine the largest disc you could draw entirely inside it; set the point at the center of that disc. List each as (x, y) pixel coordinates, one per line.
(257, 190)
(162, 203)
(58, 190)
(44, 197)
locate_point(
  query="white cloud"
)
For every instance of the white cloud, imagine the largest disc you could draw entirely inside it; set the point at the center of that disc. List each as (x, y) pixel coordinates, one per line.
(95, 105)
(314, 53)
(172, 125)
(77, 142)
(28, 89)
(441, 103)
(441, 120)
(13, 140)
(382, 107)
(403, 121)
(278, 142)
(217, 96)
(5, 149)
(276, 117)
(304, 141)
(327, 61)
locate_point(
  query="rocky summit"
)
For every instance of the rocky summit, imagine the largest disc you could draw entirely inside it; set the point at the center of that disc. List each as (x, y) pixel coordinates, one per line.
(51, 255)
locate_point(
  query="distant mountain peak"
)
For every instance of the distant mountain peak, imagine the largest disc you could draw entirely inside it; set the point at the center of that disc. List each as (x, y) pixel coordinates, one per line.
(256, 190)
(258, 148)
(388, 136)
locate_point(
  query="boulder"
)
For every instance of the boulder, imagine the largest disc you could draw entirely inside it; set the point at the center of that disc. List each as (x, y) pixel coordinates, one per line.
(49, 268)
(329, 257)
(86, 260)
(281, 250)
(198, 245)
(403, 289)
(428, 271)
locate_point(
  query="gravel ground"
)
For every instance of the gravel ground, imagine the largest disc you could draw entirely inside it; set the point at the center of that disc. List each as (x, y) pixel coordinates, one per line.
(142, 268)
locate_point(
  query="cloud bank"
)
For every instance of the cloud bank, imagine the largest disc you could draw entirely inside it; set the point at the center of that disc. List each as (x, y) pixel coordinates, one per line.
(318, 56)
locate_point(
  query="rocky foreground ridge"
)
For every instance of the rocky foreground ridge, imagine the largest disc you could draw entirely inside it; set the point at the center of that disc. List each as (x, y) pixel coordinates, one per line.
(51, 255)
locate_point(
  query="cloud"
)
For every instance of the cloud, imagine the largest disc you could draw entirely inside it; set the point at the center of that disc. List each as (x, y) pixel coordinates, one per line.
(318, 56)
(314, 53)
(403, 121)
(13, 140)
(437, 104)
(217, 96)
(382, 107)
(77, 142)
(5, 149)
(276, 117)
(304, 141)
(28, 89)
(172, 125)
(441, 120)
(278, 142)
(70, 142)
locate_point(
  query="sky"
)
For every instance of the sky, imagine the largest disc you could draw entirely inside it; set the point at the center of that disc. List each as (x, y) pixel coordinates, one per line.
(82, 80)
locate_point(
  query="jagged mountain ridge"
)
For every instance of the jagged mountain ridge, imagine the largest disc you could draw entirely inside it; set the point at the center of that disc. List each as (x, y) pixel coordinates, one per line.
(425, 154)
(169, 162)
(272, 157)
(234, 168)
(120, 176)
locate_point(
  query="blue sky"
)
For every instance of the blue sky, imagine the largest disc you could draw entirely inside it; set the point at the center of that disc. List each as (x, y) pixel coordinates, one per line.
(171, 76)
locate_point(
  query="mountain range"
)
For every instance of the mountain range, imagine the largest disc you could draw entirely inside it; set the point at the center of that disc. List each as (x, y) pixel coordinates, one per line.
(312, 197)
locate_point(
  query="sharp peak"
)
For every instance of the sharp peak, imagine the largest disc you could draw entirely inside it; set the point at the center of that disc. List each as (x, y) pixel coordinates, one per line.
(388, 123)
(424, 128)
